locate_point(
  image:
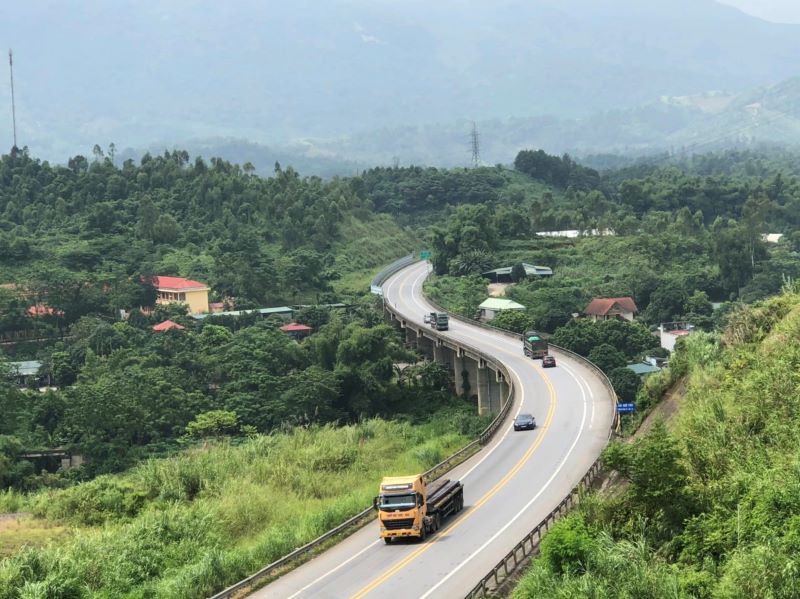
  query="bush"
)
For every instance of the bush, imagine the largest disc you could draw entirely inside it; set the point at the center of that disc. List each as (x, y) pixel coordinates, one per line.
(567, 546)
(513, 320)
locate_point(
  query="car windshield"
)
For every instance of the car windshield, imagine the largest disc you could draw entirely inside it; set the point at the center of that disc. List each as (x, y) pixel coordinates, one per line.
(524, 417)
(398, 501)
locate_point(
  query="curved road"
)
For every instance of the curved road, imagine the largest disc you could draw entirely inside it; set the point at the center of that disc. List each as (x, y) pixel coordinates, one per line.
(509, 486)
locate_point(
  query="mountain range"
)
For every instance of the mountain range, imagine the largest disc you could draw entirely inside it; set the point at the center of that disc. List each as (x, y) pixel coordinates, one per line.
(345, 78)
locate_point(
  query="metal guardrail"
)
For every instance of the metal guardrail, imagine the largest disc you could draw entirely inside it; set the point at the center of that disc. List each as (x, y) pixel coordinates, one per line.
(429, 475)
(378, 280)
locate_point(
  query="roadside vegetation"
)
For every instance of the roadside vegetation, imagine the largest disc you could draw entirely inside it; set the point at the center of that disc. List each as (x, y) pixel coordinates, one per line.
(199, 442)
(708, 503)
(188, 525)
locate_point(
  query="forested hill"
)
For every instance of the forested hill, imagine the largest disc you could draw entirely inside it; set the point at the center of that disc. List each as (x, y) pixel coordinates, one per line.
(260, 240)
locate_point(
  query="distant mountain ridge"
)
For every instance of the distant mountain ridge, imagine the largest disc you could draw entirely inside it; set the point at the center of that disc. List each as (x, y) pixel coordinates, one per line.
(279, 73)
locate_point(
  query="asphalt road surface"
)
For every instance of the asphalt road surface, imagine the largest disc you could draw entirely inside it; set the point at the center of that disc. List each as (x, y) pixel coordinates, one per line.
(509, 486)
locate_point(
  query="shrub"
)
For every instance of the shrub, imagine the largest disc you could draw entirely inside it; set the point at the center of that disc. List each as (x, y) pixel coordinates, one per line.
(567, 546)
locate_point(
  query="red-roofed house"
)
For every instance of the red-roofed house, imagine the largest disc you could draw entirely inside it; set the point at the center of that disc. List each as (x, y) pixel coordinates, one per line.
(298, 331)
(167, 325)
(606, 308)
(43, 310)
(185, 291)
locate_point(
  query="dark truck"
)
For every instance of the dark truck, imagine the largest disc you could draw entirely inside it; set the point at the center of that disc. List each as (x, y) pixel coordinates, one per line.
(534, 345)
(439, 321)
(407, 507)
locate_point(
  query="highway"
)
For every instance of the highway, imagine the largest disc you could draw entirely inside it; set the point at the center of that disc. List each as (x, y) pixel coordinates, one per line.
(509, 486)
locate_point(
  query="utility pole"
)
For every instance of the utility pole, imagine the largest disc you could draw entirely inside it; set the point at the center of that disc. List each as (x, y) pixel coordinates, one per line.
(476, 148)
(13, 107)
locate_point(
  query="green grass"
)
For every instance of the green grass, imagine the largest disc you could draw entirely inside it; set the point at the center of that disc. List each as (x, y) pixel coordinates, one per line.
(189, 525)
(373, 243)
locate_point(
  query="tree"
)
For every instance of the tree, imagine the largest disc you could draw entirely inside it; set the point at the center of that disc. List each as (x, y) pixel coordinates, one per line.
(513, 320)
(518, 272)
(607, 357)
(698, 303)
(216, 423)
(626, 383)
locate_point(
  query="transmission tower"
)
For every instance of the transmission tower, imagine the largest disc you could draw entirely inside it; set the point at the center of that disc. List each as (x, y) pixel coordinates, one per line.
(476, 146)
(13, 107)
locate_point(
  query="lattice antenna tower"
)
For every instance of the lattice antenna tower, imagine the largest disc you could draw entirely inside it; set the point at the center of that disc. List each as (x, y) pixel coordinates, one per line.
(475, 142)
(13, 107)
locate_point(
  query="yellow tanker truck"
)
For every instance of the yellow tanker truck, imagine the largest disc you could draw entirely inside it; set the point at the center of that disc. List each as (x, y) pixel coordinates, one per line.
(407, 507)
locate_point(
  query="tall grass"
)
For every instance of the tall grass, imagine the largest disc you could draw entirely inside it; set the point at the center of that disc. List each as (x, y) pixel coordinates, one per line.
(188, 525)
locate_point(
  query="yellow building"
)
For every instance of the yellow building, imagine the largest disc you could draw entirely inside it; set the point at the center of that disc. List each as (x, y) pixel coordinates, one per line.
(176, 290)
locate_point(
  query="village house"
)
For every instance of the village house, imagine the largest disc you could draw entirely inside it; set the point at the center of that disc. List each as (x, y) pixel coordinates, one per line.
(607, 308)
(670, 332)
(177, 290)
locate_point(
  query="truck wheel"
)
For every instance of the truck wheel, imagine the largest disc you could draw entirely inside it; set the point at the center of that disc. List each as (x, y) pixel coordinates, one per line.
(388, 540)
(423, 532)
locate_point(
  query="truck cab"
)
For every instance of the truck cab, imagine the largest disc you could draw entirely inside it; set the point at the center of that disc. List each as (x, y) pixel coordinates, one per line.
(401, 506)
(407, 507)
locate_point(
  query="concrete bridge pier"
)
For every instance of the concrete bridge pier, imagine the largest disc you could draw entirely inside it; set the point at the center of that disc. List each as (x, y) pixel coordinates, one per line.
(441, 353)
(411, 337)
(425, 347)
(459, 366)
(484, 379)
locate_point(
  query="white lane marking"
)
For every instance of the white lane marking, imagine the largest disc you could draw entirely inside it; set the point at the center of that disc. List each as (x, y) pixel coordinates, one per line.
(328, 573)
(522, 511)
(582, 381)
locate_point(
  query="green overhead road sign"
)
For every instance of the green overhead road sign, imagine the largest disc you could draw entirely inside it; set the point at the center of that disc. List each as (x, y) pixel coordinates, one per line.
(425, 255)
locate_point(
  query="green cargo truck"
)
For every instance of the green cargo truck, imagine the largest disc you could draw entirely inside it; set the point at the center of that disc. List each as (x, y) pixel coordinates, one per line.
(534, 345)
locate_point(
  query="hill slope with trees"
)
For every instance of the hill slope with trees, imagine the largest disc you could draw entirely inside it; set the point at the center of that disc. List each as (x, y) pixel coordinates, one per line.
(708, 507)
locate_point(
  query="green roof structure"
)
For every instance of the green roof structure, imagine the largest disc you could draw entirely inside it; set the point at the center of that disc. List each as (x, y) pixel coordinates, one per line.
(643, 368)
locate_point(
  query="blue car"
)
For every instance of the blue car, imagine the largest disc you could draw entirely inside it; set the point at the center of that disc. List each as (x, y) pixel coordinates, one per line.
(524, 422)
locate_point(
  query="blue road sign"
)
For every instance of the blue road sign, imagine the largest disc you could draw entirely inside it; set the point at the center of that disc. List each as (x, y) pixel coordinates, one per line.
(626, 408)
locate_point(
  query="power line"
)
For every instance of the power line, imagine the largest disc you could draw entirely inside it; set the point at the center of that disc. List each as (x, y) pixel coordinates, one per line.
(13, 107)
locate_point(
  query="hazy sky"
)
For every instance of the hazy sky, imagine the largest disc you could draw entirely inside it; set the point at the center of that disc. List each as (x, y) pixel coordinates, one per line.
(780, 11)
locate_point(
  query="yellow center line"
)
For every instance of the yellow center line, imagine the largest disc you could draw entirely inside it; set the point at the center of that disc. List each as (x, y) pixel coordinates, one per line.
(491, 493)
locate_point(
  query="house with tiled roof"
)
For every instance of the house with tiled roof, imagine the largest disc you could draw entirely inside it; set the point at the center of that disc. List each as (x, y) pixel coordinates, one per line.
(38, 310)
(172, 290)
(607, 308)
(167, 325)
